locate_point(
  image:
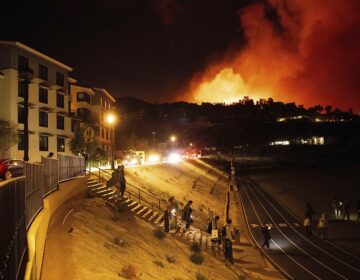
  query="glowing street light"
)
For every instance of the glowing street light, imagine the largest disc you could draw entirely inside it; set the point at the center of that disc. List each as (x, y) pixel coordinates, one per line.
(173, 138)
(110, 119)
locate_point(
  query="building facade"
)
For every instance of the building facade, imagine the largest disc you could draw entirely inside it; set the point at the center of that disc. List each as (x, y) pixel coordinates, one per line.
(91, 106)
(48, 91)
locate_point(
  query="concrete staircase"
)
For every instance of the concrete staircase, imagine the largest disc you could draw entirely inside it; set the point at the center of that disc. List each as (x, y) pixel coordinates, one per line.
(193, 235)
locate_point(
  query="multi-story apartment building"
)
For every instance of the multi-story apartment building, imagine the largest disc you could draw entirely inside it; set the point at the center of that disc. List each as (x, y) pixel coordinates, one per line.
(92, 106)
(49, 121)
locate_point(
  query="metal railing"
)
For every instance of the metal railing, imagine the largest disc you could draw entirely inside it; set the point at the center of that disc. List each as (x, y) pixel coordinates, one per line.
(70, 166)
(34, 182)
(13, 246)
(51, 175)
(143, 197)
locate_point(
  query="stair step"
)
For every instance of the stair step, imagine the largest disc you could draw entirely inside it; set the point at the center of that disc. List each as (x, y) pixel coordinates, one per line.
(97, 185)
(142, 211)
(147, 214)
(133, 204)
(153, 217)
(136, 208)
(159, 219)
(97, 188)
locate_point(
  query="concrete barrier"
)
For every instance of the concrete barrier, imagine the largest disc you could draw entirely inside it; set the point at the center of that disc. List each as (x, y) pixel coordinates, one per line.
(36, 235)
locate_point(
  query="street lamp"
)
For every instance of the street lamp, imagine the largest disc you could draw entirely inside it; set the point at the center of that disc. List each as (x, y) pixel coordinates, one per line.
(110, 119)
(173, 138)
(26, 75)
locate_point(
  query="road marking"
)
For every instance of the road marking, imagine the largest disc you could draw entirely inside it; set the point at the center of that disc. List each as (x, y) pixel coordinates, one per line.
(306, 239)
(297, 225)
(254, 225)
(324, 265)
(282, 225)
(290, 257)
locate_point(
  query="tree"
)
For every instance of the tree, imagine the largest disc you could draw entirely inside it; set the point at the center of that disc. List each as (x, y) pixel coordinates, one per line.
(8, 137)
(78, 142)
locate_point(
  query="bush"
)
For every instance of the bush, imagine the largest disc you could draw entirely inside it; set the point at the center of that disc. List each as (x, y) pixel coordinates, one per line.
(200, 276)
(159, 263)
(195, 248)
(197, 258)
(242, 277)
(159, 233)
(128, 271)
(170, 259)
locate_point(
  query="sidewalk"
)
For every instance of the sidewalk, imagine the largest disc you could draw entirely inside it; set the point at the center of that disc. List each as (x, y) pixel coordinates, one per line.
(247, 258)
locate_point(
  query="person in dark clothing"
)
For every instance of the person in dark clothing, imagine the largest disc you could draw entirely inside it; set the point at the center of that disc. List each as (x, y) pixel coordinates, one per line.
(115, 181)
(358, 210)
(186, 214)
(212, 224)
(265, 230)
(346, 210)
(122, 180)
(310, 212)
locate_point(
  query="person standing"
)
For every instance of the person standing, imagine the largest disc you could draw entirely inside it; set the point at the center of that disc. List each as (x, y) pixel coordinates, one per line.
(307, 225)
(186, 214)
(323, 226)
(229, 235)
(335, 206)
(115, 181)
(346, 210)
(265, 230)
(310, 212)
(173, 208)
(122, 180)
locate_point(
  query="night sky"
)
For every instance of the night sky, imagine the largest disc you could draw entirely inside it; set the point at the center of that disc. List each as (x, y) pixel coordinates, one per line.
(200, 50)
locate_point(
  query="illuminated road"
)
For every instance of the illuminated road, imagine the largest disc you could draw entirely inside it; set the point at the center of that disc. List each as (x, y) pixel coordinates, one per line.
(295, 255)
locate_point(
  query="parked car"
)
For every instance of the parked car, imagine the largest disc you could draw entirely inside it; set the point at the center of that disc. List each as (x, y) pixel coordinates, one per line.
(10, 168)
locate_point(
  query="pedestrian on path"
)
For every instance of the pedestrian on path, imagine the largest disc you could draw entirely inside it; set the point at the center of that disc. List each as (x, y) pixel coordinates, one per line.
(323, 226)
(265, 230)
(173, 208)
(310, 212)
(115, 181)
(335, 205)
(358, 210)
(346, 210)
(122, 180)
(212, 224)
(307, 225)
(229, 235)
(186, 214)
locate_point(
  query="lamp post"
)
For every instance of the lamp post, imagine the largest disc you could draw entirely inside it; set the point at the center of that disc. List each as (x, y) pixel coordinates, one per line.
(111, 121)
(26, 76)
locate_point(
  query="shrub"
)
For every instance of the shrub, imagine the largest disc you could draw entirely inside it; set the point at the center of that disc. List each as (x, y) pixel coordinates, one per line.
(170, 259)
(196, 258)
(128, 271)
(242, 277)
(200, 276)
(158, 233)
(195, 248)
(159, 263)
(120, 242)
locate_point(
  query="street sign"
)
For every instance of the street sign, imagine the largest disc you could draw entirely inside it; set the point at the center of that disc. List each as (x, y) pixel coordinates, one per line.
(89, 134)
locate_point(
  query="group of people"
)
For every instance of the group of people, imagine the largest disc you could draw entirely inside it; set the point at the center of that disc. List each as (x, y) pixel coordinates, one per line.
(322, 223)
(342, 209)
(172, 213)
(118, 181)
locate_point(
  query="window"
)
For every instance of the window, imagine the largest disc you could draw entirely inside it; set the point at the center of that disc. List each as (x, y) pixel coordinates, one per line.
(105, 104)
(60, 144)
(100, 101)
(74, 125)
(43, 95)
(83, 96)
(84, 114)
(60, 122)
(21, 115)
(23, 63)
(107, 135)
(60, 100)
(43, 143)
(43, 119)
(59, 79)
(22, 88)
(43, 72)
(102, 133)
(21, 141)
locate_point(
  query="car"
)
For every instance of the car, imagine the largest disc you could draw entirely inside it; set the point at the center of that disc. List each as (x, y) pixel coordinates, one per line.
(10, 168)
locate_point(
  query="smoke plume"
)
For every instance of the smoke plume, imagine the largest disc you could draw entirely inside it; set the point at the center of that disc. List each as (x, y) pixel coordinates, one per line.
(301, 51)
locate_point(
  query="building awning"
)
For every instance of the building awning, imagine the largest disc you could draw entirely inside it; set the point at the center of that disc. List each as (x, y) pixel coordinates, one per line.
(63, 136)
(31, 105)
(21, 131)
(46, 134)
(63, 113)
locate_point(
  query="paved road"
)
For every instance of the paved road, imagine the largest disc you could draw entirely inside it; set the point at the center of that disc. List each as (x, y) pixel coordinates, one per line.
(295, 255)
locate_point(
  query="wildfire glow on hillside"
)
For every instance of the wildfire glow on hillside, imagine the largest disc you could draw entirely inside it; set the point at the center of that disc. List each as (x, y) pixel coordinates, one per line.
(306, 51)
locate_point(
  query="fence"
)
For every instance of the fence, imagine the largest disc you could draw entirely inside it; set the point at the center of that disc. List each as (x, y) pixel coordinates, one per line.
(70, 167)
(21, 199)
(13, 247)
